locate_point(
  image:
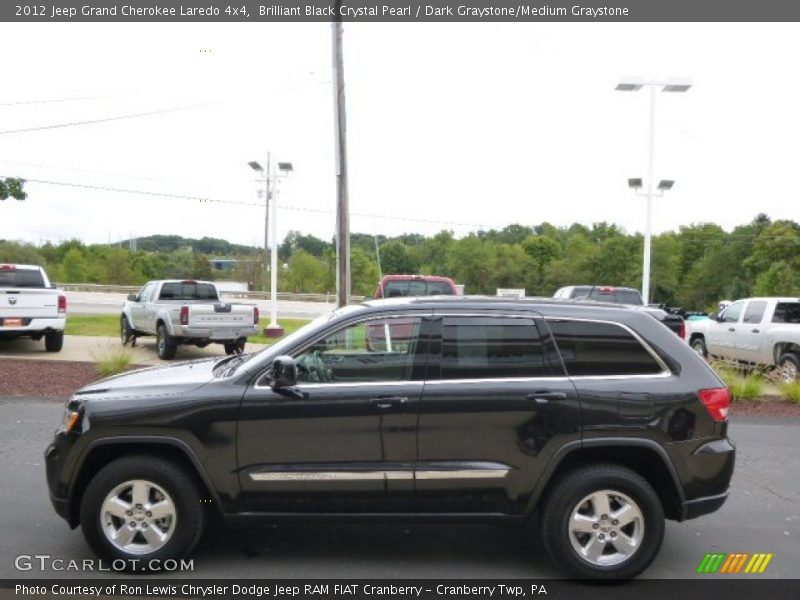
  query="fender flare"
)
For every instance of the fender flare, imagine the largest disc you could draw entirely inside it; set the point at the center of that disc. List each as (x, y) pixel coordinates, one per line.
(570, 447)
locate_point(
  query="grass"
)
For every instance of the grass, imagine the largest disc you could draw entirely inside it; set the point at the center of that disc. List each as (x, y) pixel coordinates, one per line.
(791, 390)
(743, 386)
(112, 362)
(108, 326)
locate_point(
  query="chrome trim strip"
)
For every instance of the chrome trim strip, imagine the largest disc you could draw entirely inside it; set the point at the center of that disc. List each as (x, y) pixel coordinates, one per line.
(295, 476)
(463, 474)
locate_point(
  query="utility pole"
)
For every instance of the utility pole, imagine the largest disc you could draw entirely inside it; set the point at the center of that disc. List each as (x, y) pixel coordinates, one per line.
(342, 204)
(267, 192)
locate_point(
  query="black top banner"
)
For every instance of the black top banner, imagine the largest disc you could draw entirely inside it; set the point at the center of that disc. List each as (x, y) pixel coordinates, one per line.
(522, 11)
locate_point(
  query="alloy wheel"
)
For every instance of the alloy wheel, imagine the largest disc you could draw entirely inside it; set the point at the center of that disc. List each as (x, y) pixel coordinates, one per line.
(138, 517)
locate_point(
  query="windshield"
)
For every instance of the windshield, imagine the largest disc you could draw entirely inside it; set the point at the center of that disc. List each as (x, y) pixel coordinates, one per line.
(19, 278)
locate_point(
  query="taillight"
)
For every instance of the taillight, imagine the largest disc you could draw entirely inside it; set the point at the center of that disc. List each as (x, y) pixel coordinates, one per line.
(682, 330)
(7, 268)
(716, 401)
(256, 316)
(184, 315)
(62, 304)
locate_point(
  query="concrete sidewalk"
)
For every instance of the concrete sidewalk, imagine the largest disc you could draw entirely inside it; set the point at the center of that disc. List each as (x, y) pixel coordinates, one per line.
(82, 348)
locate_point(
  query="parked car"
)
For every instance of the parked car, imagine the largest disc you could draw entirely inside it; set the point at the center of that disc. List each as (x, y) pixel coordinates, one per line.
(186, 312)
(393, 286)
(754, 331)
(592, 418)
(30, 306)
(621, 295)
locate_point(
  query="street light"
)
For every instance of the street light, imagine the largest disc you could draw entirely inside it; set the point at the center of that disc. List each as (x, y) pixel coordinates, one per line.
(271, 235)
(634, 84)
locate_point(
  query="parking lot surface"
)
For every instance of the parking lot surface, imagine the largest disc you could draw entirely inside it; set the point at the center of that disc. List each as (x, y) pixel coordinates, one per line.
(762, 515)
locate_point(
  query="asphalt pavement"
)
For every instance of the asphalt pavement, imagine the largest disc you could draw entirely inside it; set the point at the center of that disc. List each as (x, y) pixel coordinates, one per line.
(762, 515)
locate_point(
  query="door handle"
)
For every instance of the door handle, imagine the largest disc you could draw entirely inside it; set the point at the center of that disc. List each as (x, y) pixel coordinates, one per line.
(384, 402)
(543, 397)
(756, 330)
(731, 328)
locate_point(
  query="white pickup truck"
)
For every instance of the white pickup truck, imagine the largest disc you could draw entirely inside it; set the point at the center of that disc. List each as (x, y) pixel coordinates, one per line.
(186, 312)
(31, 307)
(756, 331)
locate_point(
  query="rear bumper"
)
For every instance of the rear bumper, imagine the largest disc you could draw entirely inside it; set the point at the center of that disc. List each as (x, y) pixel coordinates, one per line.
(34, 325)
(215, 334)
(703, 506)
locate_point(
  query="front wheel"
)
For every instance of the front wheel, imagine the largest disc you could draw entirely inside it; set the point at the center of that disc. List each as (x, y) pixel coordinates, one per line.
(603, 522)
(125, 331)
(142, 509)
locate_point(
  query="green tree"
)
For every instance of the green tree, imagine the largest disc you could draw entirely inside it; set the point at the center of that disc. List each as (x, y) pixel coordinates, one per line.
(305, 274)
(75, 267)
(12, 187)
(201, 267)
(396, 258)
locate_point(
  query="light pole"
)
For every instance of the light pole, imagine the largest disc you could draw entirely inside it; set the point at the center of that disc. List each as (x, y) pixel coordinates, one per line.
(272, 178)
(634, 84)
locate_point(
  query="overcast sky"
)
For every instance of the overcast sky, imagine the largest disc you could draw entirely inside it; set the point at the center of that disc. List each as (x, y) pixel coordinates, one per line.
(450, 126)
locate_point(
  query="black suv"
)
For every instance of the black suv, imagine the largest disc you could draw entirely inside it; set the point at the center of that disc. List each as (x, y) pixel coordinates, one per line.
(594, 418)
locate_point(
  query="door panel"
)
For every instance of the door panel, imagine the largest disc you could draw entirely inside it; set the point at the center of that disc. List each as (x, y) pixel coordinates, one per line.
(485, 440)
(722, 334)
(749, 338)
(344, 438)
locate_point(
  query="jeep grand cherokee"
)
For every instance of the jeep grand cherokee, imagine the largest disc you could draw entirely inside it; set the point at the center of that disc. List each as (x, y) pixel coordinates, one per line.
(594, 419)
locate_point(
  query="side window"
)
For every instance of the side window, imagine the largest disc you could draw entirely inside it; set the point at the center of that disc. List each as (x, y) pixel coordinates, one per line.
(374, 350)
(491, 348)
(594, 349)
(147, 291)
(755, 311)
(732, 313)
(787, 312)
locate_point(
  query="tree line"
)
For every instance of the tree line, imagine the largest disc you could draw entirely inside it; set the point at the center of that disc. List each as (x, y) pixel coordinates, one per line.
(694, 267)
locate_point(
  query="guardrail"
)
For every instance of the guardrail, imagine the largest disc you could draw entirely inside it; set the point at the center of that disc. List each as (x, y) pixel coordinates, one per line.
(128, 289)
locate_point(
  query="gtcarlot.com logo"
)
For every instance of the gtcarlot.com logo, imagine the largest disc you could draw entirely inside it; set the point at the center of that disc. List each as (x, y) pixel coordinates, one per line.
(735, 563)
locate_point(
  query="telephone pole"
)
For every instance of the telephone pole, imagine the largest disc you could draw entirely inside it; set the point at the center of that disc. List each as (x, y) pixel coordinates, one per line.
(342, 204)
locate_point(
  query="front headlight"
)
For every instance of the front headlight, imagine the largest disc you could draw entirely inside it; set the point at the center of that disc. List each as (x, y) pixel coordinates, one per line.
(70, 419)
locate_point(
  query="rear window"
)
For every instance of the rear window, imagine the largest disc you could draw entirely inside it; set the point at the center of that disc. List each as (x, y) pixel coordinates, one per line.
(787, 312)
(184, 290)
(21, 278)
(417, 287)
(616, 295)
(590, 348)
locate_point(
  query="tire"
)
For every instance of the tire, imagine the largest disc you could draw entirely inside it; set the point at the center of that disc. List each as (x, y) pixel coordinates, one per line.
(236, 347)
(125, 331)
(54, 341)
(579, 493)
(166, 346)
(699, 346)
(789, 366)
(158, 482)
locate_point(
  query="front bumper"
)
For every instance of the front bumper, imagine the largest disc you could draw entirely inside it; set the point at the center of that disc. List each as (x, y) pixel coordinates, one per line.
(57, 481)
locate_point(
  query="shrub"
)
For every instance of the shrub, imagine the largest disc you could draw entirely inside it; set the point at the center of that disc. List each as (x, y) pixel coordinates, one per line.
(791, 389)
(743, 386)
(113, 362)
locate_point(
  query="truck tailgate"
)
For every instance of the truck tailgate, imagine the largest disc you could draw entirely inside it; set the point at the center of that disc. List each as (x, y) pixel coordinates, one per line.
(220, 315)
(28, 303)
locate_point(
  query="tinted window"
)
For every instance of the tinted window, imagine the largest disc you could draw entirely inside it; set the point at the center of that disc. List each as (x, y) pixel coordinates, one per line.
(417, 287)
(590, 348)
(29, 278)
(755, 311)
(615, 295)
(787, 312)
(581, 291)
(732, 313)
(375, 350)
(491, 348)
(147, 291)
(183, 290)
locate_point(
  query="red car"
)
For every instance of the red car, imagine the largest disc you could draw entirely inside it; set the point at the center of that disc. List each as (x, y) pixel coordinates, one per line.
(392, 286)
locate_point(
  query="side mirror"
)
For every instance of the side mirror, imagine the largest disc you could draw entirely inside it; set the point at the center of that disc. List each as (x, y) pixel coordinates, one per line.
(132, 297)
(284, 372)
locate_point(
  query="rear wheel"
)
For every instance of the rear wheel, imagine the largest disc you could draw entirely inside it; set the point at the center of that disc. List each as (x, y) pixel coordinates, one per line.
(54, 341)
(142, 508)
(789, 366)
(165, 343)
(603, 522)
(236, 347)
(699, 346)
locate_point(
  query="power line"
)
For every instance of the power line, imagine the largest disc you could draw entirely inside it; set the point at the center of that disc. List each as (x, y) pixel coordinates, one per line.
(54, 100)
(103, 120)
